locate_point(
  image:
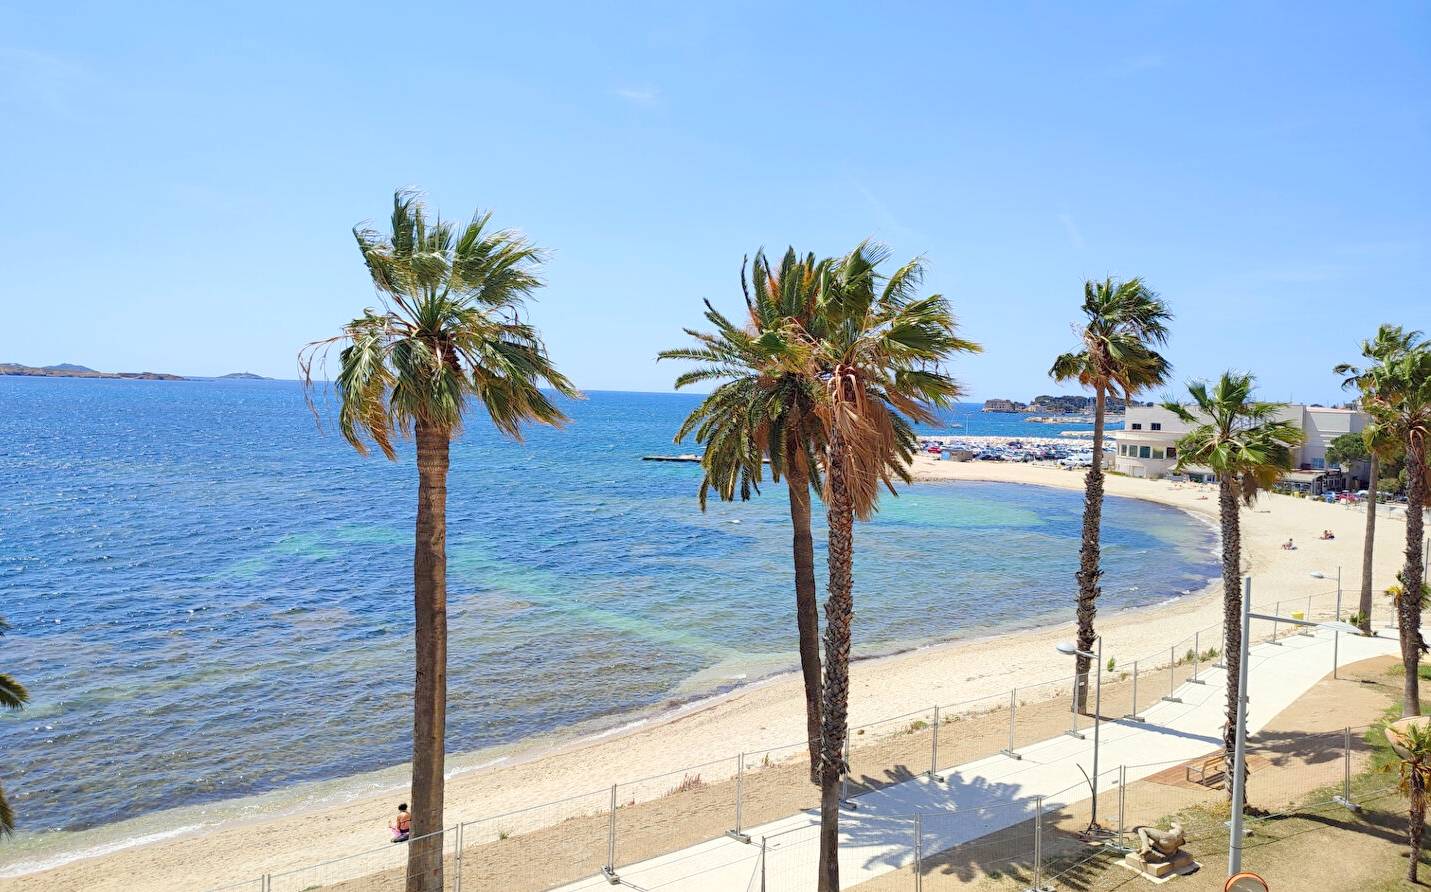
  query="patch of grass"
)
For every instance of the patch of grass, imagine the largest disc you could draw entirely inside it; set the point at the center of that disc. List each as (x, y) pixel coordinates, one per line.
(1423, 671)
(688, 783)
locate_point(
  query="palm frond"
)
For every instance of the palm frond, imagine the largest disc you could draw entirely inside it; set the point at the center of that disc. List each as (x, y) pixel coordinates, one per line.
(1240, 439)
(762, 406)
(1125, 321)
(13, 695)
(7, 815)
(449, 333)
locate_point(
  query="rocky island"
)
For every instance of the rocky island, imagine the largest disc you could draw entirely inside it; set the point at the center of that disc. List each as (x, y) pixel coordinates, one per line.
(70, 370)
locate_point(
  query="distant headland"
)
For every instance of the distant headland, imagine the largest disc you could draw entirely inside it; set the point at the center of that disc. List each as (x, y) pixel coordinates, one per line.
(1059, 409)
(70, 370)
(245, 376)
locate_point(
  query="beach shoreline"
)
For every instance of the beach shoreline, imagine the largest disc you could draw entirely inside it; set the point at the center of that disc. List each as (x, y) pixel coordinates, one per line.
(765, 712)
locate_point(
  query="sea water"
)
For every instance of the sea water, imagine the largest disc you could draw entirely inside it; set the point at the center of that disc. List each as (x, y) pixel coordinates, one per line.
(211, 596)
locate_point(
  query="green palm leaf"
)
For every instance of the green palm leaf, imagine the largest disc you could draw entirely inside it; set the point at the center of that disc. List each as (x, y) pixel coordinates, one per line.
(449, 333)
(13, 696)
(1236, 437)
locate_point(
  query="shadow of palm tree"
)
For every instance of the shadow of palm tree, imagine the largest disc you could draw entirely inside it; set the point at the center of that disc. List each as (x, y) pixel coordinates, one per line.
(969, 817)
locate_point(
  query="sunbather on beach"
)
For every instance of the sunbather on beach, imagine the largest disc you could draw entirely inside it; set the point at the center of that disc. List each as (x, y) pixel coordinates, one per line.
(401, 826)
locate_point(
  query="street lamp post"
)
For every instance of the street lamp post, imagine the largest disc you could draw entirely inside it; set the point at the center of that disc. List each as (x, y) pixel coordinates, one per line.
(1071, 649)
(1239, 758)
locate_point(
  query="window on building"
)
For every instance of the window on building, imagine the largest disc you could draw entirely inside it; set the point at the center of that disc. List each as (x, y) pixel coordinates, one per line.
(1319, 463)
(1172, 452)
(1157, 452)
(1145, 451)
(1156, 425)
(1136, 426)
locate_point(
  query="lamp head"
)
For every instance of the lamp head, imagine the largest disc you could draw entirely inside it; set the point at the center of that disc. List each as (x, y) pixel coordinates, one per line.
(1345, 628)
(1067, 648)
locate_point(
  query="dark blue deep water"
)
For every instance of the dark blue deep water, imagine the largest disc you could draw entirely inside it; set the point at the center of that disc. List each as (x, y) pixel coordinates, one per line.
(211, 598)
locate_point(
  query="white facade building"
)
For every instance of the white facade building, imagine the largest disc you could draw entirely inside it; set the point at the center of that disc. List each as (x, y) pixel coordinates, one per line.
(1147, 444)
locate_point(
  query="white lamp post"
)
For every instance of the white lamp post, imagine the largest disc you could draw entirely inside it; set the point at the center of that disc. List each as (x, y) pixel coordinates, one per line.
(1239, 758)
(1070, 649)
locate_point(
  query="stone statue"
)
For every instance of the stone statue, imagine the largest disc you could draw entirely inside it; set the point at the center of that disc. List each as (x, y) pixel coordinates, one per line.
(1160, 852)
(1160, 845)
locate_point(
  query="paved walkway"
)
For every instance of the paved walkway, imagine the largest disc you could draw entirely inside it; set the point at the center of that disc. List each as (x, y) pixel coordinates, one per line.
(996, 792)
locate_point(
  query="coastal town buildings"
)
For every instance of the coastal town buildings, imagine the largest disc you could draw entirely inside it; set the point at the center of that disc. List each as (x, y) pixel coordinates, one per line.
(1147, 446)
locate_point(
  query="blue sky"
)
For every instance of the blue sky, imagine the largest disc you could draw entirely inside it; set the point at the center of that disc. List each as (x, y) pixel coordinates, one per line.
(180, 180)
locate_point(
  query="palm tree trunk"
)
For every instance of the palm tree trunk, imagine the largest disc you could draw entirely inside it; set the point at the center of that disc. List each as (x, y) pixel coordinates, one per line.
(1089, 570)
(839, 610)
(1412, 575)
(1228, 497)
(807, 610)
(429, 715)
(1367, 546)
(1418, 819)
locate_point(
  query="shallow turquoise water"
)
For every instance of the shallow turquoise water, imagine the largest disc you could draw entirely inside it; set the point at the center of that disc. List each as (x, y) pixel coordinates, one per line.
(211, 597)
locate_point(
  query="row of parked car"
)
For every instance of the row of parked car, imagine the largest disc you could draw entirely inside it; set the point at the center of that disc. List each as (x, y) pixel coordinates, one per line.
(1074, 455)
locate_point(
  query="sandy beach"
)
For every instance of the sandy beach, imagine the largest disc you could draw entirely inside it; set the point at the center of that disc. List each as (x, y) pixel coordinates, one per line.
(769, 714)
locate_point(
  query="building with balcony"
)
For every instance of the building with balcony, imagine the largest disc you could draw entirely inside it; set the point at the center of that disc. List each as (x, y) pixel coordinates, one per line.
(1147, 446)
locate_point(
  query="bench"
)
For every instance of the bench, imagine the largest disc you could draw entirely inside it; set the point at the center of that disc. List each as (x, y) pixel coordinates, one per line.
(1208, 771)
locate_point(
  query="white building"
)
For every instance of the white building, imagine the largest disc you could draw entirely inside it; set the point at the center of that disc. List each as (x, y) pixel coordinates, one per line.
(1147, 444)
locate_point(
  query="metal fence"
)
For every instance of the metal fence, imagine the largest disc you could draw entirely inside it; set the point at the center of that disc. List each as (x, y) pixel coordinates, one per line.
(600, 831)
(1041, 843)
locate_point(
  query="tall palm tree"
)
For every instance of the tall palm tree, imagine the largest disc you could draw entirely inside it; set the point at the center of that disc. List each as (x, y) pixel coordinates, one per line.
(1401, 403)
(880, 362)
(765, 408)
(1390, 342)
(1244, 443)
(1412, 745)
(1124, 322)
(449, 333)
(13, 696)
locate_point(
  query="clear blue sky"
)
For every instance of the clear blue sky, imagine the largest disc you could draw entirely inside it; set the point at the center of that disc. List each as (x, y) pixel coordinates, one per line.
(180, 180)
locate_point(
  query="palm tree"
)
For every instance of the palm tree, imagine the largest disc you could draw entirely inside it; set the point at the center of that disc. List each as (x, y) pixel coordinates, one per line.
(765, 408)
(449, 332)
(1400, 403)
(13, 696)
(1125, 320)
(1412, 745)
(1244, 443)
(1390, 342)
(879, 361)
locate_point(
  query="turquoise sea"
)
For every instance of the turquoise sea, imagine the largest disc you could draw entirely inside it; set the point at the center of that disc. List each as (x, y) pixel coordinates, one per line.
(211, 596)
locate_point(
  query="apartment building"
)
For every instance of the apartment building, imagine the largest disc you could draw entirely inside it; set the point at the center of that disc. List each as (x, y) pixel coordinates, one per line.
(1147, 445)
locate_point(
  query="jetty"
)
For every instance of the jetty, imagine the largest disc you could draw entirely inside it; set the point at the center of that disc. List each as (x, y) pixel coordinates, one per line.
(686, 457)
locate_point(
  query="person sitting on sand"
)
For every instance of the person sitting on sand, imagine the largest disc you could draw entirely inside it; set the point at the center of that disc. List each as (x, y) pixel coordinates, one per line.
(401, 827)
(1289, 546)
(1328, 534)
